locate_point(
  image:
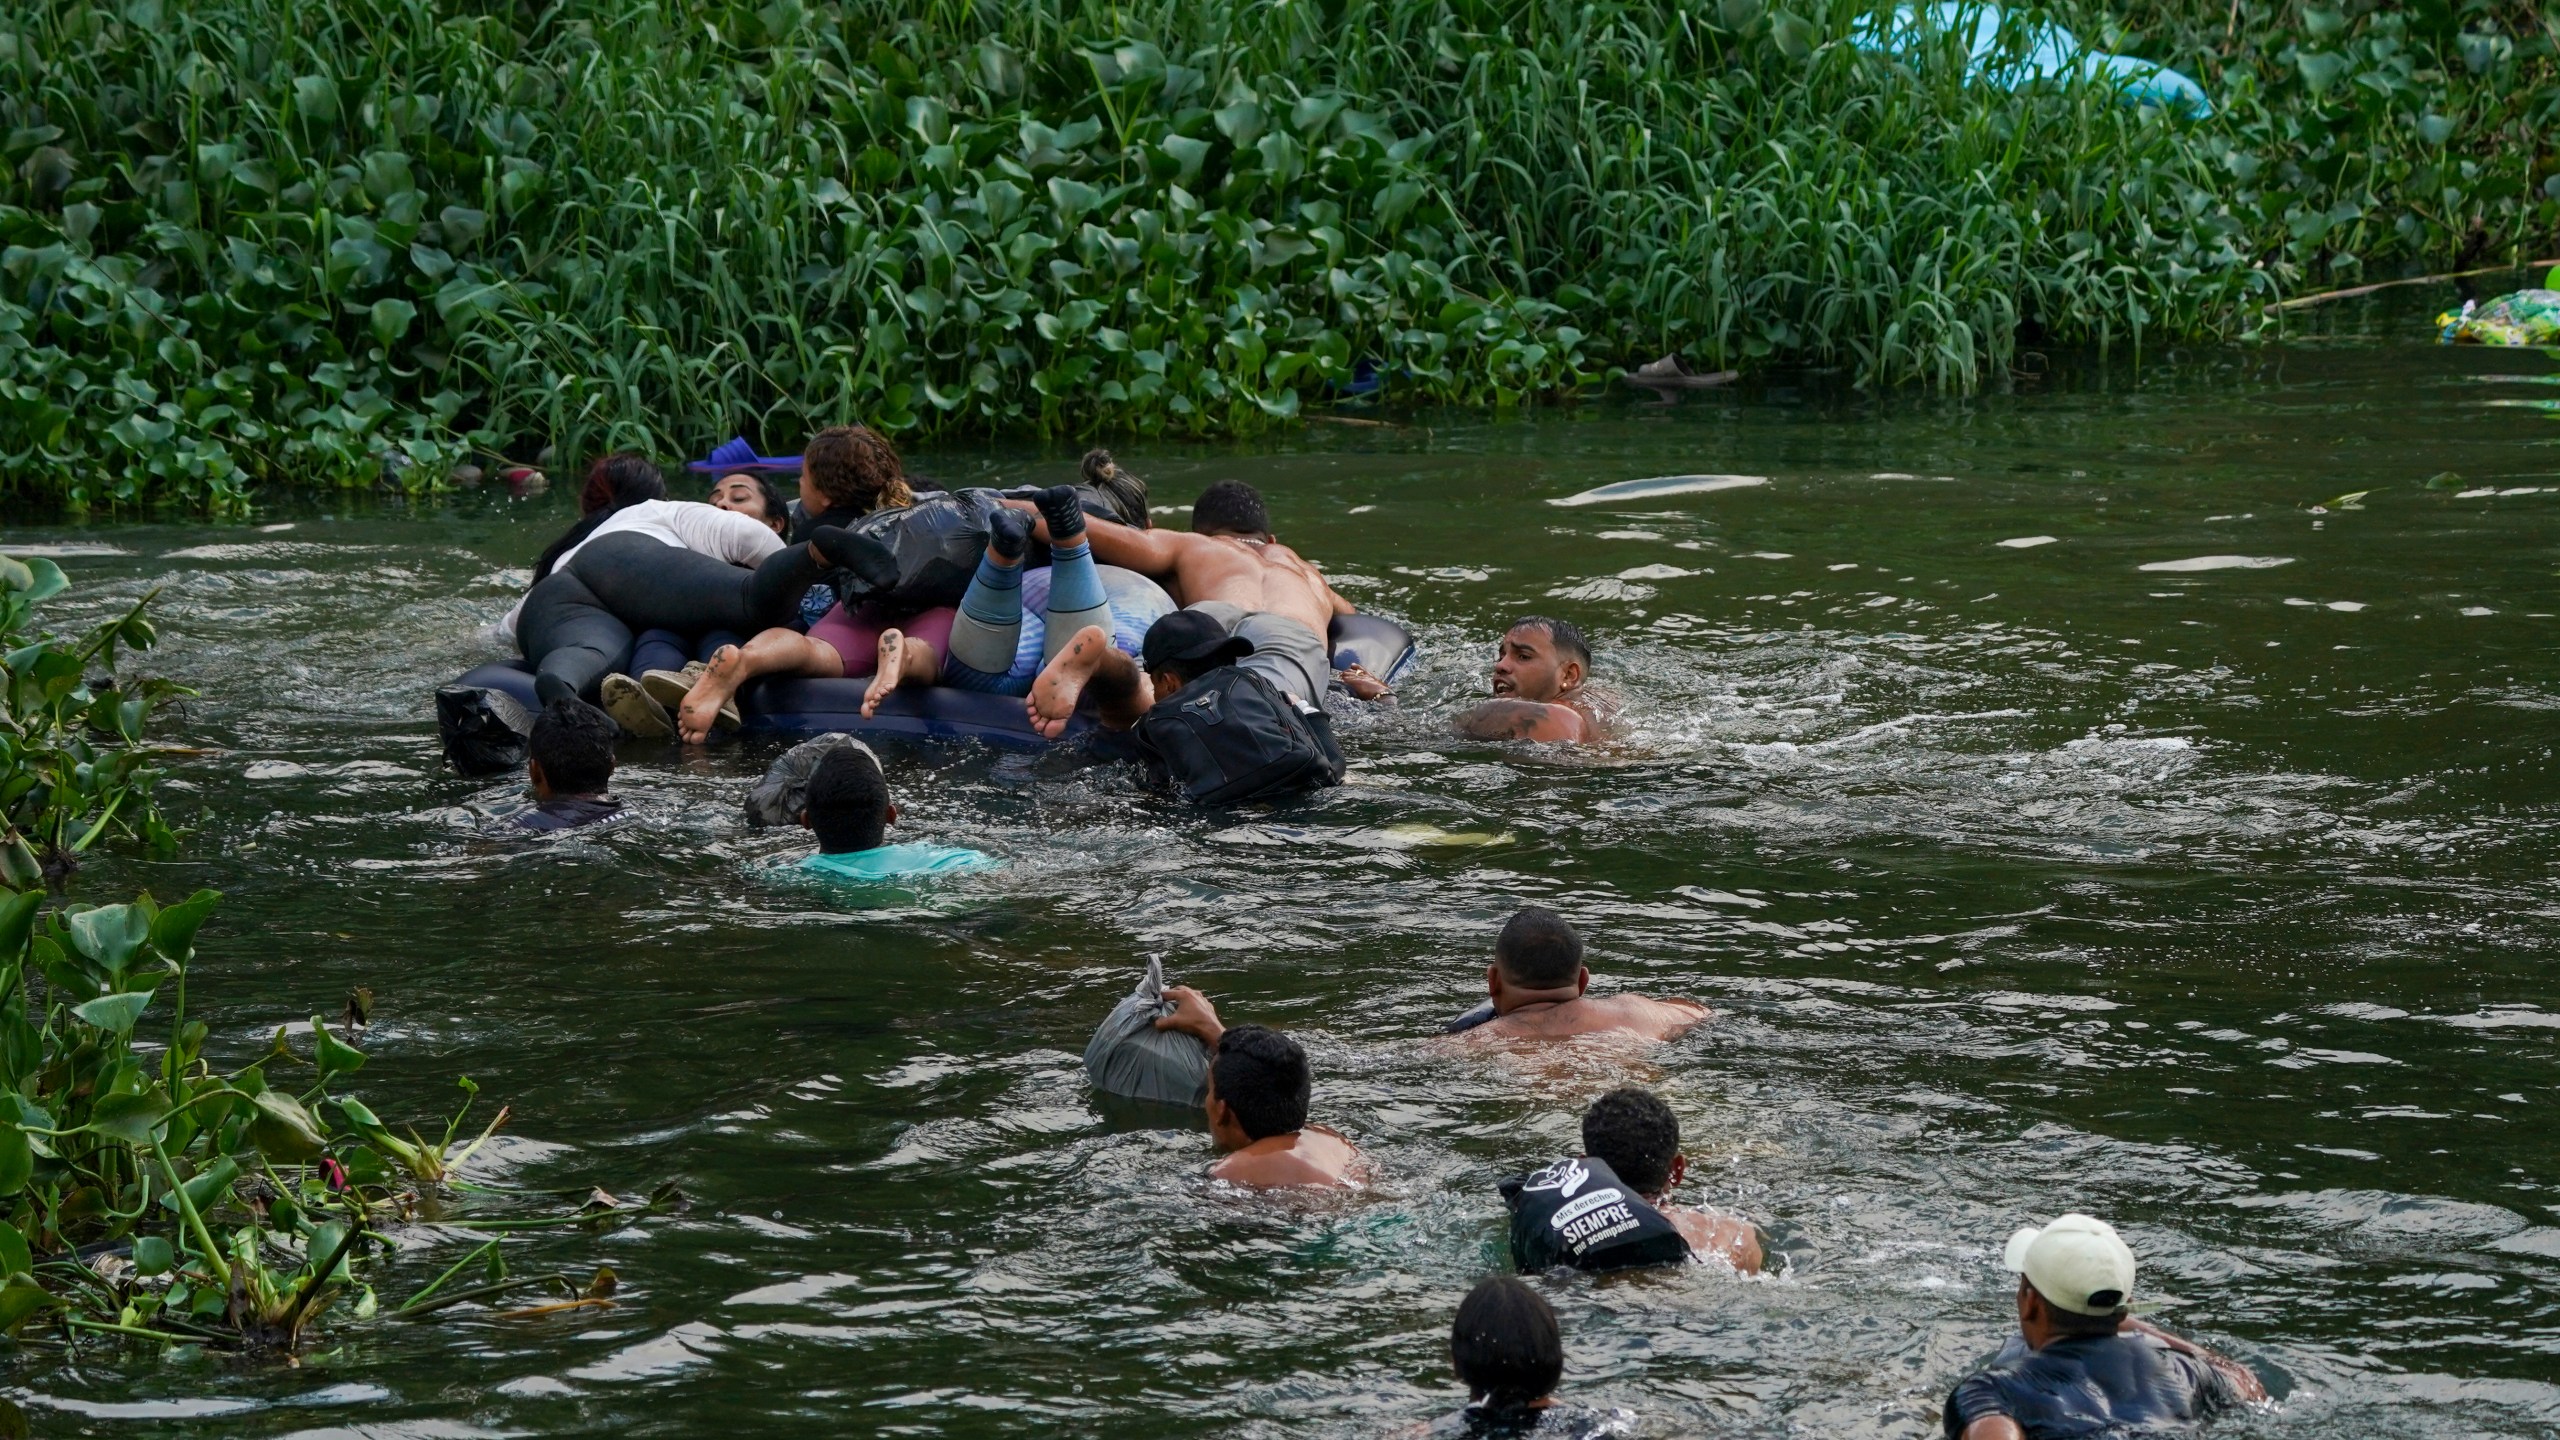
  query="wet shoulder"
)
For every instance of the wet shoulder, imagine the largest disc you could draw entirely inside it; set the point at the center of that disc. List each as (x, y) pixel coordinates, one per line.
(2098, 1382)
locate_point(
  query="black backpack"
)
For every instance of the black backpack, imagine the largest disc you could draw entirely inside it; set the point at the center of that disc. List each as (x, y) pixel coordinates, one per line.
(1578, 1212)
(1229, 737)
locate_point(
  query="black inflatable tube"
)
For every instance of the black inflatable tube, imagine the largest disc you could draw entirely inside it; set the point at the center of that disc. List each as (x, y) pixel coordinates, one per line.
(799, 706)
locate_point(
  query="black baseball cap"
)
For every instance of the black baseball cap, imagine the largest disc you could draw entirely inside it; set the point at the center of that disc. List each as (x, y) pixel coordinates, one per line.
(1189, 637)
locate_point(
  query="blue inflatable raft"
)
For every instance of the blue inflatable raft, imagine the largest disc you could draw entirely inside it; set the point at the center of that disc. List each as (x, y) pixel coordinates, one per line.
(801, 706)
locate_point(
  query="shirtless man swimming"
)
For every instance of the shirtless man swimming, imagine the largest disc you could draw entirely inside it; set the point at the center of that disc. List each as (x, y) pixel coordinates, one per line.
(1259, 1084)
(1537, 980)
(1229, 567)
(1539, 687)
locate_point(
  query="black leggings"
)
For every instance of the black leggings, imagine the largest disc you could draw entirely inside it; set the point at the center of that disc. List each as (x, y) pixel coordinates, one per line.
(578, 624)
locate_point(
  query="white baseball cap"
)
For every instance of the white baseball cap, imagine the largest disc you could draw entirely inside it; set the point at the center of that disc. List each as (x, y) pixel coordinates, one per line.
(2076, 1263)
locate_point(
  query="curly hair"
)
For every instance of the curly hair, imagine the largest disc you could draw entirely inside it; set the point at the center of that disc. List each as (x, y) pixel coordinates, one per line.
(853, 465)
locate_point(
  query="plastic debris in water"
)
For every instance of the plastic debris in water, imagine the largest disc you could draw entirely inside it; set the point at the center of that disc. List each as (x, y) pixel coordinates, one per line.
(2523, 317)
(2218, 562)
(1660, 485)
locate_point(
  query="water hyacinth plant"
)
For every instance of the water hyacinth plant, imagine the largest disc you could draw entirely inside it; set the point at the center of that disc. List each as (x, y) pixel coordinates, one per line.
(254, 239)
(73, 768)
(143, 1193)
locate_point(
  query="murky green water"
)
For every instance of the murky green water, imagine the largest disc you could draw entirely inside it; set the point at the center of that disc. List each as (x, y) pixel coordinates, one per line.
(2024, 878)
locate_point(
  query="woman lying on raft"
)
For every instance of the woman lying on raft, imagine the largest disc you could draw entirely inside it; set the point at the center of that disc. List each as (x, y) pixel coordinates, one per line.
(678, 565)
(972, 646)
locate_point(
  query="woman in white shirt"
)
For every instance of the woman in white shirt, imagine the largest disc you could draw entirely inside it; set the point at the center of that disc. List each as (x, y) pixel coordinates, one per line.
(677, 565)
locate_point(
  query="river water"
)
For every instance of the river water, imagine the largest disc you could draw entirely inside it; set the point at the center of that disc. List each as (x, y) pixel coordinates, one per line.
(2213, 897)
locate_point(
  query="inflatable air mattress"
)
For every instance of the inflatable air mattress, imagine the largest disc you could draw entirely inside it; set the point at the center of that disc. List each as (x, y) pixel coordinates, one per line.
(791, 705)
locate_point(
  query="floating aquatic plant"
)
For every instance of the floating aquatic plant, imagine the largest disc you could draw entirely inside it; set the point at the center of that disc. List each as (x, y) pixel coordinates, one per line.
(143, 1192)
(244, 240)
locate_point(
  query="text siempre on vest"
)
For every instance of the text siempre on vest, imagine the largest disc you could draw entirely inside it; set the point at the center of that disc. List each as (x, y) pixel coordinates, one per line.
(1598, 1216)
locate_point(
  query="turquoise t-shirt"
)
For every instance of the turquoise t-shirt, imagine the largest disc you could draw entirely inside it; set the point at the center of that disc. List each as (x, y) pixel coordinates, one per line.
(892, 862)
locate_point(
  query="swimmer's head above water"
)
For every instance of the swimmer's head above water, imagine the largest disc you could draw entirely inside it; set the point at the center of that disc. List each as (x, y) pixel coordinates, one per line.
(1637, 1136)
(1536, 959)
(570, 752)
(1506, 1346)
(848, 804)
(1259, 1087)
(1541, 659)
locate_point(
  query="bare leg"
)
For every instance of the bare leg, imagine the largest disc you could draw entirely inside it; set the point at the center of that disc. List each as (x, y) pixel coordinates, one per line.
(775, 652)
(902, 658)
(1053, 696)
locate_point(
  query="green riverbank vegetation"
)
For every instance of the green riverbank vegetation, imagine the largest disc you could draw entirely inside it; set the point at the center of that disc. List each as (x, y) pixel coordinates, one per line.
(351, 241)
(146, 1196)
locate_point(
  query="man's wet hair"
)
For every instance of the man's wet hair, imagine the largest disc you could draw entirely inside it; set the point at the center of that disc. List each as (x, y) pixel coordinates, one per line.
(573, 743)
(1538, 950)
(1114, 688)
(1636, 1134)
(1506, 1345)
(1231, 507)
(1262, 1076)
(848, 804)
(1563, 634)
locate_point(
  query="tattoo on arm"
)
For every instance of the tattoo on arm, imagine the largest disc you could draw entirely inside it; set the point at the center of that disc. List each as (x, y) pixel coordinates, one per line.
(1518, 720)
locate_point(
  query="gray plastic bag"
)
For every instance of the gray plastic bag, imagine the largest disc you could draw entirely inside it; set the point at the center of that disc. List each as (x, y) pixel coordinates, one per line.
(1129, 1056)
(783, 793)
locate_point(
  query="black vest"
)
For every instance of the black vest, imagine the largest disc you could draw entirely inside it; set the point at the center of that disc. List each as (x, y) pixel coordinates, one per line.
(1578, 1212)
(1229, 737)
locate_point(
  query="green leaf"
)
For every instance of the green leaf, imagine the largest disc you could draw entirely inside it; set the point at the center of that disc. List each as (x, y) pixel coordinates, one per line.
(1792, 34)
(283, 1130)
(49, 580)
(14, 1256)
(173, 931)
(2320, 70)
(1241, 122)
(17, 922)
(111, 935)
(153, 1255)
(315, 97)
(129, 1118)
(20, 1298)
(1187, 153)
(325, 1239)
(334, 1056)
(357, 1112)
(206, 1186)
(17, 1163)
(1073, 197)
(115, 1014)
(391, 320)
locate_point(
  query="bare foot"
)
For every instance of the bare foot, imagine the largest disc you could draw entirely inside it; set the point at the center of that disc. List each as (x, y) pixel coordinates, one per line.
(1052, 702)
(718, 685)
(893, 665)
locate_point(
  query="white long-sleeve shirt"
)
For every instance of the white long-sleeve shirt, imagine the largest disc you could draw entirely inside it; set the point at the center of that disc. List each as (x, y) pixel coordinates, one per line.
(684, 524)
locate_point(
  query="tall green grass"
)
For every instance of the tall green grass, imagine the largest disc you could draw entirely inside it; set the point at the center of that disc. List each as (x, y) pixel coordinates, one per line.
(253, 240)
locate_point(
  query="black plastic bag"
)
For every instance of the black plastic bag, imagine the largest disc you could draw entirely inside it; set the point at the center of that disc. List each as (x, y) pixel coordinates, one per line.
(484, 731)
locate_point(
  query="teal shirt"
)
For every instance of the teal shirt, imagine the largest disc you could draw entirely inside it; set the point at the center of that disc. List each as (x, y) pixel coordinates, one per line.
(894, 862)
